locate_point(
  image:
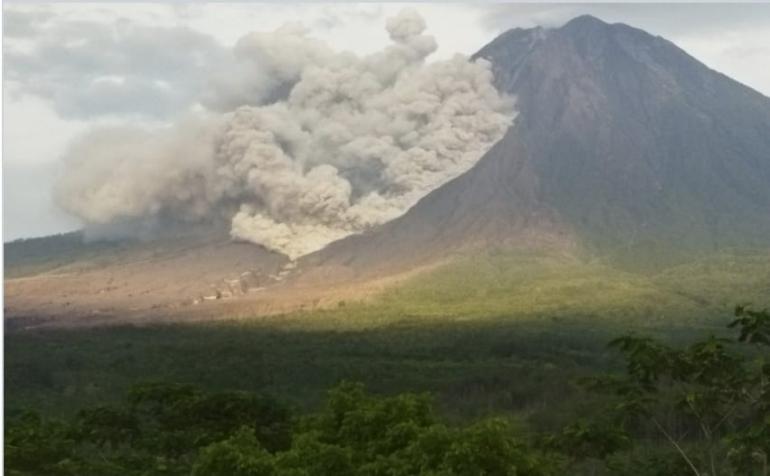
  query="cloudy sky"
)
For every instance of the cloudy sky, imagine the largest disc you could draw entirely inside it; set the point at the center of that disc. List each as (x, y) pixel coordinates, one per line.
(70, 67)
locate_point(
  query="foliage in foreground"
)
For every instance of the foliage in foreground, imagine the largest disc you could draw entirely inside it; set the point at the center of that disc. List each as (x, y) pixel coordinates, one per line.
(702, 410)
(173, 429)
(709, 403)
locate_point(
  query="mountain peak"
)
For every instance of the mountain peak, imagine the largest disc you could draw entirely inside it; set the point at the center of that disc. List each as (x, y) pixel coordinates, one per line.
(594, 33)
(585, 21)
(583, 25)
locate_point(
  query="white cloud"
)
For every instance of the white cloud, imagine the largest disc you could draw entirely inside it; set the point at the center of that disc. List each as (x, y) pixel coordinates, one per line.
(89, 69)
(731, 53)
(33, 139)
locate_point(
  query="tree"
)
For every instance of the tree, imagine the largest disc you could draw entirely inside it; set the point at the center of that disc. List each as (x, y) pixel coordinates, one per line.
(708, 388)
(239, 455)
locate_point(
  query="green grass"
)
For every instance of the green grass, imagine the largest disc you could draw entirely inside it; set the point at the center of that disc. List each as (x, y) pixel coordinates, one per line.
(507, 285)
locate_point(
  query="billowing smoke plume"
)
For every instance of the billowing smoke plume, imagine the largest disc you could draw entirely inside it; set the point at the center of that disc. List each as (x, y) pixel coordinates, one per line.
(322, 144)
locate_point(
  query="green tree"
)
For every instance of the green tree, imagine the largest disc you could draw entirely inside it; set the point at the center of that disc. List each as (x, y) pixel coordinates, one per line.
(34, 446)
(709, 389)
(239, 455)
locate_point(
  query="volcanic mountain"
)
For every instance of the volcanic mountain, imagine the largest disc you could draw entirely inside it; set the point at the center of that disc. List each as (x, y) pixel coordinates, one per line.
(624, 148)
(624, 145)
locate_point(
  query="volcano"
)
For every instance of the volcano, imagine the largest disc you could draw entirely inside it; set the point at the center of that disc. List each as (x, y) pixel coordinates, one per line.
(625, 146)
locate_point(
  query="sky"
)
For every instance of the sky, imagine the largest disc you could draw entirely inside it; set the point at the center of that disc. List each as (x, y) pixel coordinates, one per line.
(70, 67)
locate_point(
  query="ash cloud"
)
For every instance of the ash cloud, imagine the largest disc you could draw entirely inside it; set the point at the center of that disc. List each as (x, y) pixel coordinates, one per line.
(301, 145)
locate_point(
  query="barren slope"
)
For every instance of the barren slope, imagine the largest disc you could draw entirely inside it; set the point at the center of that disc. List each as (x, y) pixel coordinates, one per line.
(99, 282)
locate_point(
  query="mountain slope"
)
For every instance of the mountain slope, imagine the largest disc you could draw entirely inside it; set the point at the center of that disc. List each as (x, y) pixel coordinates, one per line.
(624, 145)
(632, 139)
(63, 280)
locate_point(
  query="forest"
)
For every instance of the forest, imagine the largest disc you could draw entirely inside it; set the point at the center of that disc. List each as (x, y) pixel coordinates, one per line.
(660, 407)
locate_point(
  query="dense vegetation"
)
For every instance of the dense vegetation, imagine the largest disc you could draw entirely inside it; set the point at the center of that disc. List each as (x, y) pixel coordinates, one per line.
(473, 367)
(702, 408)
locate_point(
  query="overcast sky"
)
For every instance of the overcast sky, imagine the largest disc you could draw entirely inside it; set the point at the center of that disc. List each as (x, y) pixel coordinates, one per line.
(69, 67)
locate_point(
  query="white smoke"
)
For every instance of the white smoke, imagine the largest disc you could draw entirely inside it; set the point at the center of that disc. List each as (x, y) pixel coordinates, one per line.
(324, 144)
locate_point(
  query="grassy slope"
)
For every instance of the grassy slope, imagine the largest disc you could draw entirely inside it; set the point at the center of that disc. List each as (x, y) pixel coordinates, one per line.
(503, 284)
(497, 332)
